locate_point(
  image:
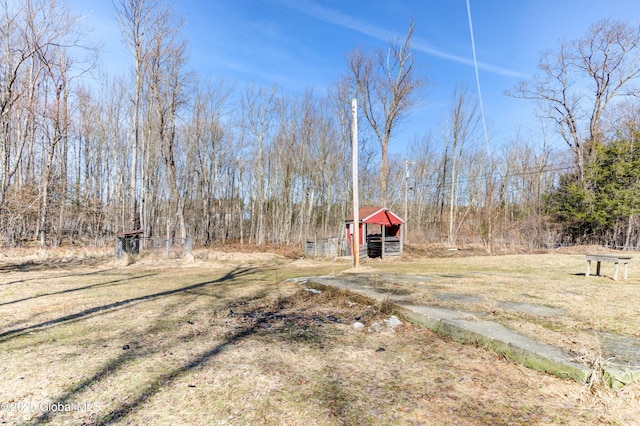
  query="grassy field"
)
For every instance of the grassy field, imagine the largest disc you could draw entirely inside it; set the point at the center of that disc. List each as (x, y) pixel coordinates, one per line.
(581, 310)
(225, 340)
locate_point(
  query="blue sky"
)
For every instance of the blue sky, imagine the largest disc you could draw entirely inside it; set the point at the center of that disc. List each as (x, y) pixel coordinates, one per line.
(302, 44)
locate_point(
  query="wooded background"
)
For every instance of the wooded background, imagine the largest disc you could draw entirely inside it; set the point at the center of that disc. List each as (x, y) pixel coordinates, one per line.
(84, 155)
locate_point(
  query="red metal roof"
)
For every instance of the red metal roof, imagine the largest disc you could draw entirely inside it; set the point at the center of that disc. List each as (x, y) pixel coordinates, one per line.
(377, 215)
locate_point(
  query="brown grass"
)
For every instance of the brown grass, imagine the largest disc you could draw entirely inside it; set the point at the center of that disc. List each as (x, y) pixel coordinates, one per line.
(491, 285)
(230, 342)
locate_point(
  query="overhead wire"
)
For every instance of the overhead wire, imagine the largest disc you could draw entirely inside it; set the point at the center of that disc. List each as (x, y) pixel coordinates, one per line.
(550, 168)
(475, 64)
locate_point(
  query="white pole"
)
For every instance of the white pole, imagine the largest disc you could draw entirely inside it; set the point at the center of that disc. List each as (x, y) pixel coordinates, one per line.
(354, 169)
(406, 195)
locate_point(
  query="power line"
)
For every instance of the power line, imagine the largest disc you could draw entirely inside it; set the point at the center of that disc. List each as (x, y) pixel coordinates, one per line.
(547, 169)
(475, 63)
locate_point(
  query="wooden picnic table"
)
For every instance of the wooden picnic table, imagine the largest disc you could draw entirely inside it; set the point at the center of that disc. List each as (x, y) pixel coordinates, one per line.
(612, 258)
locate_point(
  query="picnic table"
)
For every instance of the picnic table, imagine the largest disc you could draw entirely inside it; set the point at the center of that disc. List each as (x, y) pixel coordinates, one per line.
(612, 258)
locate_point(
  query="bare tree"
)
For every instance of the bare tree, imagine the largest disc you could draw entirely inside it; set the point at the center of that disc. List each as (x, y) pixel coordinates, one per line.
(423, 184)
(210, 152)
(259, 109)
(463, 124)
(579, 81)
(137, 20)
(49, 34)
(388, 84)
(168, 85)
(19, 75)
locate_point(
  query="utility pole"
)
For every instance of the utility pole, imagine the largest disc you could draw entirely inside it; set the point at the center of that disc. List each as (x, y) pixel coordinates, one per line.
(355, 237)
(406, 195)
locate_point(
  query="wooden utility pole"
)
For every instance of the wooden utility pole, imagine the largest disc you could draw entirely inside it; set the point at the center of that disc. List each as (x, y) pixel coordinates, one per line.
(355, 237)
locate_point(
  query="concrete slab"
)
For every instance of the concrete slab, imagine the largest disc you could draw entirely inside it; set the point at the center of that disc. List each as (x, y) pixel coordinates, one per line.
(459, 298)
(621, 355)
(621, 360)
(466, 328)
(532, 308)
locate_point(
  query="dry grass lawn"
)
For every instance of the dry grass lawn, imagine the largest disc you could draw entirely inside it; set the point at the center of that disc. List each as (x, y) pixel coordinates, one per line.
(225, 340)
(581, 310)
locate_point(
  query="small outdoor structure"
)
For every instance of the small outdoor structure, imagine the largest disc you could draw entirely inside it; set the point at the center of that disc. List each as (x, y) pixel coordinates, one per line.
(322, 247)
(133, 242)
(388, 242)
(612, 258)
(128, 242)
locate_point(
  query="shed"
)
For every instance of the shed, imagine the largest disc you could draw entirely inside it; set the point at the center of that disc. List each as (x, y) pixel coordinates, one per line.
(388, 241)
(128, 242)
(322, 247)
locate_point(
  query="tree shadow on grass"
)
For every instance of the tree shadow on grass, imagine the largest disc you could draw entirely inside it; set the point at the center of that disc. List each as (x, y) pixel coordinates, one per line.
(7, 335)
(114, 366)
(71, 290)
(72, 274)
(158, 384)
(287, 320)
(48, 264)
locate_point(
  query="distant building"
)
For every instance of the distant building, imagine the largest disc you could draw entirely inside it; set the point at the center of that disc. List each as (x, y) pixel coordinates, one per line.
(389, 240)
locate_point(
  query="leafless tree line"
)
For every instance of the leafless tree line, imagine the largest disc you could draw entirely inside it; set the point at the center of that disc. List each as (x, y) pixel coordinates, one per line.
(158, 149)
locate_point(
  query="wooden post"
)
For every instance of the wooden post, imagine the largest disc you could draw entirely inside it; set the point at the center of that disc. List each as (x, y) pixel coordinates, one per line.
(384, 233)
(406, 190)
(354, 170)
(168, 240)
